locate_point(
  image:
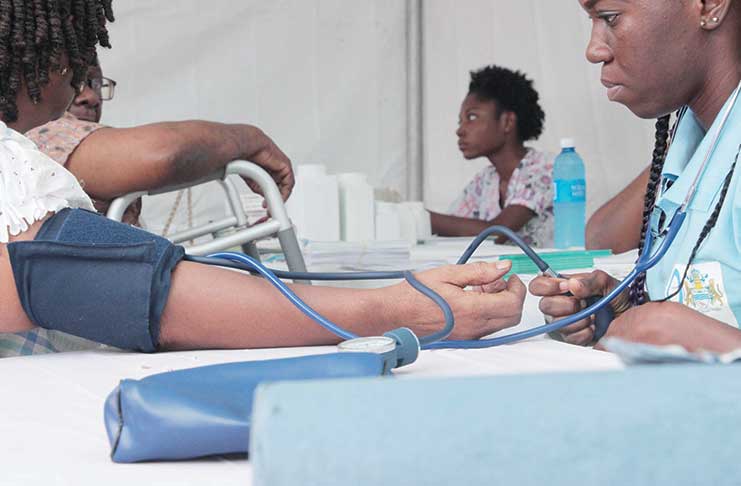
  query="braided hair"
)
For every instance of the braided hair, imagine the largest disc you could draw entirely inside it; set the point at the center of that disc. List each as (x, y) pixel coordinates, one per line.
(36, 34)
(638, 293)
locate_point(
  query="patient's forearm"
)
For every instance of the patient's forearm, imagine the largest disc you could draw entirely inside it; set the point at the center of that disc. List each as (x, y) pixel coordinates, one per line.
(115, 161)
(217, 308)
(514, 217)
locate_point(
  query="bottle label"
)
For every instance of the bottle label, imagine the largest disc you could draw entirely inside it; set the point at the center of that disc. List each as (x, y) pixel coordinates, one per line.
(569, 191)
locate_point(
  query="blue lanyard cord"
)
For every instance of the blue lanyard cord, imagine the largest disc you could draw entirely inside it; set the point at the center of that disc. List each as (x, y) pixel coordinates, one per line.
(245, 262)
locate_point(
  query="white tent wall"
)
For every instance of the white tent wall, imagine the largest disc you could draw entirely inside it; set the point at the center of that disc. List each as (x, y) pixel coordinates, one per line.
(325, 78)
(368, 85)
(546, 39)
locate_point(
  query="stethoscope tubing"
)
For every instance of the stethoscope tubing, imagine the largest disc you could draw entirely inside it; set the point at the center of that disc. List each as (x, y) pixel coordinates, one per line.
(438, 340)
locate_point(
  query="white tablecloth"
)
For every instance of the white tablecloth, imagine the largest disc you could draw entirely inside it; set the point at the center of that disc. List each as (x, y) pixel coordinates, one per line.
(51, 410)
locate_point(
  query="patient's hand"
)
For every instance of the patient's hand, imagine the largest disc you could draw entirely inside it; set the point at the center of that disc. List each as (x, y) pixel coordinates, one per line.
(556, 304)
(265, 153)
(491, 305)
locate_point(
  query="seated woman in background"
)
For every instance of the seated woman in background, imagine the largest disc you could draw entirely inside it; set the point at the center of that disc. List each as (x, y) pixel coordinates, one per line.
(498, 115)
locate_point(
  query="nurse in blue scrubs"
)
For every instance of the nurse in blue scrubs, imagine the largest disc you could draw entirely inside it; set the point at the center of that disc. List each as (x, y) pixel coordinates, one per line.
(661, 57)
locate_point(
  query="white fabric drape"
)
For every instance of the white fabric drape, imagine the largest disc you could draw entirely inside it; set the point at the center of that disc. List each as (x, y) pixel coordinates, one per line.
(325, 78)
(337, 82)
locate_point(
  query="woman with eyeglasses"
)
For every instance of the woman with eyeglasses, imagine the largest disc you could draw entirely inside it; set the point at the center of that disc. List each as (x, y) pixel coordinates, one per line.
(88, 104)
(155, 155)
(659, 57)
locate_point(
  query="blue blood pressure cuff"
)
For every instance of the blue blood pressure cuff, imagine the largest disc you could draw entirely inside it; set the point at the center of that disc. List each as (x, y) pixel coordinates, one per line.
(95, 278)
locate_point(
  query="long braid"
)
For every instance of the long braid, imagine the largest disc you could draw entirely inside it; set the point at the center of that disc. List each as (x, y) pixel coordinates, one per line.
(637, 292)
(35, 37)
(709, 224)
(6, 11)
(30, 62)
(56, 36)
(41, 39)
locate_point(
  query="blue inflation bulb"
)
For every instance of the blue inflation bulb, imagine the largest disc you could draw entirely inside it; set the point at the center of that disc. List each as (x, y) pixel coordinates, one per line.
(208, 410)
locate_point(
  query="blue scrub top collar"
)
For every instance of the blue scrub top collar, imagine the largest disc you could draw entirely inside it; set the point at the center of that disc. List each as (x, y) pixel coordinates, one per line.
(687, 152)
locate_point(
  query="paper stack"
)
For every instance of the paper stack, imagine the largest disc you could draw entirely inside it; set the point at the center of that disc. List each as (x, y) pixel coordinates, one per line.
(346, 255)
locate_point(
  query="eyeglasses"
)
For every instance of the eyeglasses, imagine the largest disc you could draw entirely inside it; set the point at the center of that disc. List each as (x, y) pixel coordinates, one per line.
(104, 87)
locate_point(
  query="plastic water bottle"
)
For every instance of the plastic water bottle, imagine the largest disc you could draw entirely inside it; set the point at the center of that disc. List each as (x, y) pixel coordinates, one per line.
(569, 197)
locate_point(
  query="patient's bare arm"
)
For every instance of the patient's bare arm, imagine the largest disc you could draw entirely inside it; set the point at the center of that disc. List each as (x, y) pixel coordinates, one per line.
(116, 161)
(12, 316)
(210, 307)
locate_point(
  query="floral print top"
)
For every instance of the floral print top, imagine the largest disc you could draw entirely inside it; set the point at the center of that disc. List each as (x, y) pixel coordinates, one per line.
(59, 138)
(531, 185)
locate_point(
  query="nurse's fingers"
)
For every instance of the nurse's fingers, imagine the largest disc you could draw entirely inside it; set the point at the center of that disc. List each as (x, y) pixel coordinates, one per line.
(576, 327)
(559, 305)
(545, 286)
(581, 338)
(583, 286)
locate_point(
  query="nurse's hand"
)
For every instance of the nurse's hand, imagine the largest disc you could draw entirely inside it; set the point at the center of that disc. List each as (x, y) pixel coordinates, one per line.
(482, 302)
(664, 323)
(557, 305)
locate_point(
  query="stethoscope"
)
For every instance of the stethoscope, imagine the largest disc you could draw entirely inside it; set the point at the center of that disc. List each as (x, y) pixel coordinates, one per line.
(401, 346)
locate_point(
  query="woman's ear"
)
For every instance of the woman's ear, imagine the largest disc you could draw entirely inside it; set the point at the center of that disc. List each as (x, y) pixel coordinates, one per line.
(713, 12)
(510, 121)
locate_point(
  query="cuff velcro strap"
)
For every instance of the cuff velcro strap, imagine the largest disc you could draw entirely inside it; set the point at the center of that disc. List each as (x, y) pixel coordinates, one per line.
(100, 292)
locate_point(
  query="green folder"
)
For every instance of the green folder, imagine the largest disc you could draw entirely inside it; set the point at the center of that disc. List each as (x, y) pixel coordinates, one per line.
(557, 260)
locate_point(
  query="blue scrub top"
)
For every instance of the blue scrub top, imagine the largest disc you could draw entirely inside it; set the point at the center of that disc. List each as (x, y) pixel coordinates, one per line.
(713, 284)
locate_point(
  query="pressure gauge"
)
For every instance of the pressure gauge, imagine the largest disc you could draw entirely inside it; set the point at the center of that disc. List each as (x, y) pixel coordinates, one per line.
(372, 344)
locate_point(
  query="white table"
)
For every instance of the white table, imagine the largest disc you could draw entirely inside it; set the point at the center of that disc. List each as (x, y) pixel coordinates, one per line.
(51, 425)
(51, 410)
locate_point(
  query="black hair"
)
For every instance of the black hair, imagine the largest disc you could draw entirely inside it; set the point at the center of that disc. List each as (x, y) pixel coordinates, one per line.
(512, 91)
(637, 288)
(35, 34)
(638, 293)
